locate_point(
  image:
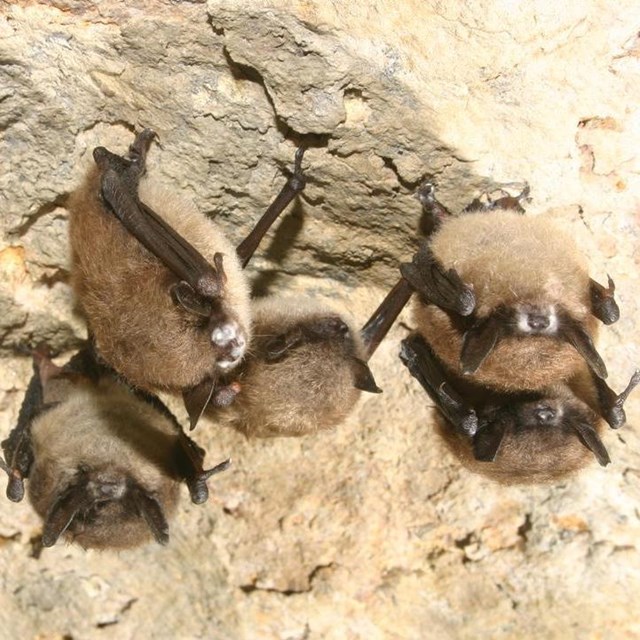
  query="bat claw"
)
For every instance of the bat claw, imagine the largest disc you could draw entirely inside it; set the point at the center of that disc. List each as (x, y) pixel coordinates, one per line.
(297, 181)
(197, 485)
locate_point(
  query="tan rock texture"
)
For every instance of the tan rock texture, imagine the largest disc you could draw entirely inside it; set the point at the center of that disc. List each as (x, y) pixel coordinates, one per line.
(373, 531)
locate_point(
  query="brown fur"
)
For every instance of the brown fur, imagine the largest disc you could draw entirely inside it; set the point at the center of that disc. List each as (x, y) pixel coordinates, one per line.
(117, 436)
(124, 290)
(510, 259)
(516, 363)
(535, 455)
(309, 390)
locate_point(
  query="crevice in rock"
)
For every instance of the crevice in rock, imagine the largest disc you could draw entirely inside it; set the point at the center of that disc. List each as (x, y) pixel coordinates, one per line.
(116, 618)
(49, 280)
(512, 601)
(524, 528)
(248, 73)
(407, 184)
(251, 588)
(60, 202)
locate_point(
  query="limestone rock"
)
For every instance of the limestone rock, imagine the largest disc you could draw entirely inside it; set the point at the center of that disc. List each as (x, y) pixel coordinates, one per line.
(372, 531)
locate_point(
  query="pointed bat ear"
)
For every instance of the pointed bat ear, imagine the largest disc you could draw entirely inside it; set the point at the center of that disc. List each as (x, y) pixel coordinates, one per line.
(590, 439)
(184, 296)
(573, 333)
(197, 399)
(64, 510)
(479, 341)
(15, 485)
(275, 348)
(603, 304)
(487, 441)
(149, 508)
(364, 379)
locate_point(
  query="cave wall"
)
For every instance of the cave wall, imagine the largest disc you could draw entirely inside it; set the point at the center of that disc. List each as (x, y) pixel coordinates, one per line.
(373, 531)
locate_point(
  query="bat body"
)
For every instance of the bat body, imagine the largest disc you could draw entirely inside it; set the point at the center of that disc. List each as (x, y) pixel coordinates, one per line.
(125, 293)
(163, 290)
(306, 366)
(119, 451)
(530, 309)
(104, 462)
(301, 372)
(518, 437)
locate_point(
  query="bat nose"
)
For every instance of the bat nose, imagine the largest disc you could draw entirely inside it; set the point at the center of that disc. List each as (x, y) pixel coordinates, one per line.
(330, 327)
(538, 321)
(545, 414)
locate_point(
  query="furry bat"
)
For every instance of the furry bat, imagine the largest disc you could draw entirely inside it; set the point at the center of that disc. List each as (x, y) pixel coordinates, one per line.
(506, 298)
(306, 366)
(522, 437)
(161, 287)
(104, 462)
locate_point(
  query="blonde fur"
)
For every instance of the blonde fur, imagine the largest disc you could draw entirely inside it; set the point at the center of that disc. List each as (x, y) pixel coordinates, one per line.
(124, 290)
(311, 389)
(116, 436)
(510, 259)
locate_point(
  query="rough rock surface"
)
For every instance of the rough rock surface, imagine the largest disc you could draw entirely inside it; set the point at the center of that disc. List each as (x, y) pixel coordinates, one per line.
(372, 531)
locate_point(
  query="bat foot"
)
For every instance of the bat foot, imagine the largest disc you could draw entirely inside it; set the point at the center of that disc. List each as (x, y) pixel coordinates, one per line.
(297, 181)
(616, 416)
(198, 489)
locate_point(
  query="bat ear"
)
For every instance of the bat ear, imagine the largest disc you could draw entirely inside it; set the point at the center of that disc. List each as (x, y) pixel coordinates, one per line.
(580, 340)
(590, 439)
(478, 342)
(603, 304)
(15, 486)
(149, 508)
(486, 443)
(275, 348)
(364, 379)
(64, 510)
(197, 399)
(189, 300)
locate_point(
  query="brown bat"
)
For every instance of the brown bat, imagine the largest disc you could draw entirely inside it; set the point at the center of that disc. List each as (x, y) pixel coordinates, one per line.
(162, 289)
(306, 366)
(519, 437)
(104, 462)
(506, 299)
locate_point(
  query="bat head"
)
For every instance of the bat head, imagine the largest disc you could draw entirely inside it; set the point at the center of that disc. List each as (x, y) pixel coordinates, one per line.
(327, 332)
(99, 507)
(541, 436)
(527, 320)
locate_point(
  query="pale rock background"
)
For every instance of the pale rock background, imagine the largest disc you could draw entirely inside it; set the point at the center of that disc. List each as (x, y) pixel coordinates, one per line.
(373, 531)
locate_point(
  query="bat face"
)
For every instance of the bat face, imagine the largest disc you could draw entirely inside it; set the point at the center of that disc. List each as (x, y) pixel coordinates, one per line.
(103, 460)
(534, 310)
(524, 440)
(168, 307)
(522, 437)
(104, 473)
(303, 374)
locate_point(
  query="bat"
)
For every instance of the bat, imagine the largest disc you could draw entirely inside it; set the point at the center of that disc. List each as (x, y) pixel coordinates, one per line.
(519, 437)
(161, 287)
(104, 461)
(306, 366)
(504, 298)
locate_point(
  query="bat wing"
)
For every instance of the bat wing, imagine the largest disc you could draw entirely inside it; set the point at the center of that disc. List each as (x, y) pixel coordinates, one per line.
(423, 365)
(294, 185)
(438, 286)
(119, 187)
